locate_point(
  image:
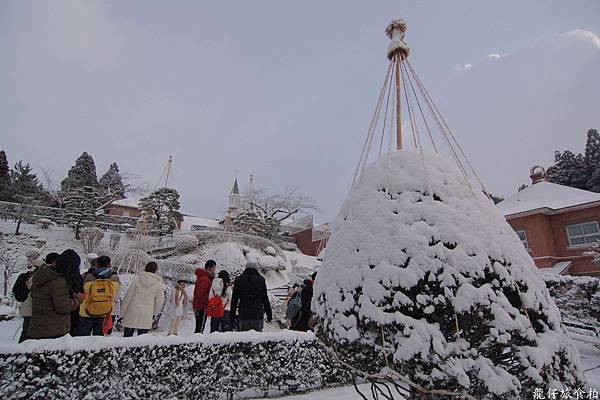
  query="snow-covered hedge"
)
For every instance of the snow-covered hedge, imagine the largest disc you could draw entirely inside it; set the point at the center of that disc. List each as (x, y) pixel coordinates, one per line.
(57, 215)
(246, 364)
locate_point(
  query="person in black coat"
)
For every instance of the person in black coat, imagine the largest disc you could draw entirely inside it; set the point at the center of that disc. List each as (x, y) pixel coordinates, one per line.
(300, 323)
(69, 262)
(250, 299)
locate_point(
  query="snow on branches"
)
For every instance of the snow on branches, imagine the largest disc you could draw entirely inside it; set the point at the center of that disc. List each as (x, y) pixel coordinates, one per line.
(162, 210)
(279, 206)
(594, 251)
(90, 239)
(423, 275)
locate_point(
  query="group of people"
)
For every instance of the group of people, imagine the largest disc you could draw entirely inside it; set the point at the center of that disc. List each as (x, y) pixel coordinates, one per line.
(241, 306)
(57, 299)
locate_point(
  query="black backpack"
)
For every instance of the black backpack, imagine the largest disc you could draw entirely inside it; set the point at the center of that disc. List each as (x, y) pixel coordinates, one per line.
(20, 289)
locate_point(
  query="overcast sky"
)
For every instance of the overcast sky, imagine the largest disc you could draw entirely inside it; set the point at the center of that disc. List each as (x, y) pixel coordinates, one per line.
(285, 90)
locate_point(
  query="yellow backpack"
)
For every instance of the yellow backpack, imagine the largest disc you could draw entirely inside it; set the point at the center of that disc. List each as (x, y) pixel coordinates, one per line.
(100, 299)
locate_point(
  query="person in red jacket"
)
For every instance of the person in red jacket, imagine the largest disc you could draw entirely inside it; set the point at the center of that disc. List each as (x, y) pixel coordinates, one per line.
(204, 279)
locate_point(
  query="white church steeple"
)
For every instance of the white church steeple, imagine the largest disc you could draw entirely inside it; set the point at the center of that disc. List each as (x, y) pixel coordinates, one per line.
(234, 199)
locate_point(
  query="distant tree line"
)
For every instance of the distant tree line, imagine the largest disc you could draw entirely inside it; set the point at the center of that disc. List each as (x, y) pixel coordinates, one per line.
(80, 194)
(580, 171)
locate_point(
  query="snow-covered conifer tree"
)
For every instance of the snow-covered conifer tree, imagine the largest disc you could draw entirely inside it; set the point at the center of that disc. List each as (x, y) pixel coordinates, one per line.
(592, 160)
(162, 210)
(25, 182)
(4, 178)
(594, 251)
(423, 275)
(112, 182)
(83, 173)
(82, 204)
(569, 169)
(251, 223)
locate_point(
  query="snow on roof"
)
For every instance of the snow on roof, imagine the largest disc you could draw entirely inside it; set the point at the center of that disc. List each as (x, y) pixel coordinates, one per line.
(546, 195)
(190, 220)
(129, 202)
(558, 268)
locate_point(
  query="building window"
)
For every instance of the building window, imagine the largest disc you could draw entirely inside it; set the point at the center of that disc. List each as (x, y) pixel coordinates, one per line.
(523, 236)
(582, 234)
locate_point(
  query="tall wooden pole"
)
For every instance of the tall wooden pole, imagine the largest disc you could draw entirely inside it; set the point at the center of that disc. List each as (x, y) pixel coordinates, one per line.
(168, 171)
(397, 51)
(398, 104)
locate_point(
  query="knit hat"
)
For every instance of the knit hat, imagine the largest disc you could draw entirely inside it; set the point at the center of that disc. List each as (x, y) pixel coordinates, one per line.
(252, 265)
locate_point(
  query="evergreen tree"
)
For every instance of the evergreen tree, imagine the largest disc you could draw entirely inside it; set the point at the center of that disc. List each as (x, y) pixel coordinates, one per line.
(83, 173)
(427, 280)
(112, 182)
(5, 182)
(569, 170)
(82, 206)
(25, 182)
(592, 160)
(251, 223)
(162, 210)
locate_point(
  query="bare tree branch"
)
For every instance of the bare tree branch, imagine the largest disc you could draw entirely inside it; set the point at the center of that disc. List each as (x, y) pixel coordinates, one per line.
(51, 185)
(279, 206)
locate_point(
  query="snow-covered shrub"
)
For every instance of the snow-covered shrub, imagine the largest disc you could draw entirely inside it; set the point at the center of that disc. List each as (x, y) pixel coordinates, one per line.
(270, 263)
(270, 251)
(186, 243)
(221, 365)
(227, 255)
(130, 232)
(90, 239)
(89, 257)
(130, 261)
(424, 275)
(288, 246)
(594, 251)
(115, 239)
(40, 243)
(45, 223)
(577, 298)
(188, 259)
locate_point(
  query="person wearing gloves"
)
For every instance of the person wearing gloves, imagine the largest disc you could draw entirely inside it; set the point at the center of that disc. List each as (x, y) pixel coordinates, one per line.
(144, 299)
(250, 299)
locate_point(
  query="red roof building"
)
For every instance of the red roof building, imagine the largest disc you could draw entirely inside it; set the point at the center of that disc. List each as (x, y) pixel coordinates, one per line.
(556, 224)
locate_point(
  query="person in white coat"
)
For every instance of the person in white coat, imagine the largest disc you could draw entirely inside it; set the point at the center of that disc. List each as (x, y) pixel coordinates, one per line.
(221, 287)
(144, 299)
(180, 301)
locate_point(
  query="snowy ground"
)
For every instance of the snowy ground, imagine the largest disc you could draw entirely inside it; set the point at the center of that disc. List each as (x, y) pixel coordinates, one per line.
(59, 239)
